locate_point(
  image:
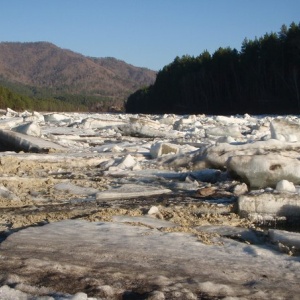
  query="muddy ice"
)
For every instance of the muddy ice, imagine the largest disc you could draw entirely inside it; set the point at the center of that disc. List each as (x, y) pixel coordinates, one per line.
(107, 206)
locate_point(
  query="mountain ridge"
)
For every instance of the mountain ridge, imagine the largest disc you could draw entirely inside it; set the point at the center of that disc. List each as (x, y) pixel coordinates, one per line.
(43, 65)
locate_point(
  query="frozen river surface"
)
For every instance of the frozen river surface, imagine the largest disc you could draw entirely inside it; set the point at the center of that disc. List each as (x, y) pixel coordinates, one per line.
(114, 206)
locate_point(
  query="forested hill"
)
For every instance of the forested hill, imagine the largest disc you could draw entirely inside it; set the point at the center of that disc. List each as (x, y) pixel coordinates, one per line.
(264, 77)
(42, 70)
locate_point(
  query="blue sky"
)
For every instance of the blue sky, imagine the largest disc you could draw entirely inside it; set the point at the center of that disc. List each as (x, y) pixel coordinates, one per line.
(145, 33)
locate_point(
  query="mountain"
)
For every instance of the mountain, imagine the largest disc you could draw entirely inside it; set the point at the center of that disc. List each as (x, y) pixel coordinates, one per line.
(42, 69)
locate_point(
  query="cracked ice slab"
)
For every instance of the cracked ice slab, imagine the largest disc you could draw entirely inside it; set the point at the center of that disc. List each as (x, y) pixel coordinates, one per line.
(131, 191)
(113, 249)
(22, 142)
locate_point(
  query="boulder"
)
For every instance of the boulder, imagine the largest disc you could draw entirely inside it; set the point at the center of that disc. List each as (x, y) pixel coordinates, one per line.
(260, 171)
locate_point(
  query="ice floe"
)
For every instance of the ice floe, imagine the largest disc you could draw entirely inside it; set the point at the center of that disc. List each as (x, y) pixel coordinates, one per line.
(116, 206)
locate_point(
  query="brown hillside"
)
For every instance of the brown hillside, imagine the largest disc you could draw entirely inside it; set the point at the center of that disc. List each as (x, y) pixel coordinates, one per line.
(44, 65)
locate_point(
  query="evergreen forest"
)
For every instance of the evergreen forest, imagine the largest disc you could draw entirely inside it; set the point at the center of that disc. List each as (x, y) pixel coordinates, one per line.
(262, 78)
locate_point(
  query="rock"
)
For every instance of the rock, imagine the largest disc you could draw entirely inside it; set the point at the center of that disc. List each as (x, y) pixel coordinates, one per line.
(260, 171)
(30, 128)
(269, 206)
(285, 186)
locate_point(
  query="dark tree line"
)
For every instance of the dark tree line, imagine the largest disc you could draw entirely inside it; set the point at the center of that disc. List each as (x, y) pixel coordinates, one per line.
(264, 77)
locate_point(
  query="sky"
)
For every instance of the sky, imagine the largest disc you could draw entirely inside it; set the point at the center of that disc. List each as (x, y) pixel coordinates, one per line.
(144, 33)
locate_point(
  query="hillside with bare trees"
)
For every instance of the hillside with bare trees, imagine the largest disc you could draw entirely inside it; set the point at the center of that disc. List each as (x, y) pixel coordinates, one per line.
(43, 70)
